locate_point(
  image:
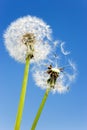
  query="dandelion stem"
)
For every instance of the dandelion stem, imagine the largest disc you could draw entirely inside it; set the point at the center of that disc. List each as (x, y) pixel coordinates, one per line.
(40, 109)
(22, 96)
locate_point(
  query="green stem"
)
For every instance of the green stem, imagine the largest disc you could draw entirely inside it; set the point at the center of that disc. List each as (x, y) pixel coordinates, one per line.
(40, 109)
(22, 96)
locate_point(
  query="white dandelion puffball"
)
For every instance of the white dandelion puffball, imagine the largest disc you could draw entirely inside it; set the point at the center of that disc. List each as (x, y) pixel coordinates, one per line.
(55, 76)
(41, 78)
(26, 30)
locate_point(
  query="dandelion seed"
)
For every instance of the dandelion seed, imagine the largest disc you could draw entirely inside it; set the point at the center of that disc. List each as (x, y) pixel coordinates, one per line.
(56, 43)
(62, 49)
(73, 75)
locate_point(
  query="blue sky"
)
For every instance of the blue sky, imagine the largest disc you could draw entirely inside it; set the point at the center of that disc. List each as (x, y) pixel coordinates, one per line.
(68, 19)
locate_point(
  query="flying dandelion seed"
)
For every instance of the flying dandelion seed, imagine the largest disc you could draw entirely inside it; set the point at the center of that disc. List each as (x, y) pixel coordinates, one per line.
(26, 40)
(56, 43)
(63, 50)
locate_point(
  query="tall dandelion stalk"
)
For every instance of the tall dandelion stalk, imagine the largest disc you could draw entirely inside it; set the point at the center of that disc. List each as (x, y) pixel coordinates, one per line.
(22, 96)
(40, 109)
(27, 40)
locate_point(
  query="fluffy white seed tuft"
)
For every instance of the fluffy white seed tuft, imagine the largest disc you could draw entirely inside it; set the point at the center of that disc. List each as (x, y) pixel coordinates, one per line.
(28, 25)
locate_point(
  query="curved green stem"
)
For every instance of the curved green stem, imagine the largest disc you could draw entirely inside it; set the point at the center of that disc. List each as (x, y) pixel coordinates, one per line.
(22, 96)
(40, 109)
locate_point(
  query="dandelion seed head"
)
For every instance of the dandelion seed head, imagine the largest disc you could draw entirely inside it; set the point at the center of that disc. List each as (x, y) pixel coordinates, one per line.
(54, 75)
(41, 77)
(25, 32)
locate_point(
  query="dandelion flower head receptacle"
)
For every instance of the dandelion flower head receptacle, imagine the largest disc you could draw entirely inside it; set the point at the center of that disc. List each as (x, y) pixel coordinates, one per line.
(28, 36)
